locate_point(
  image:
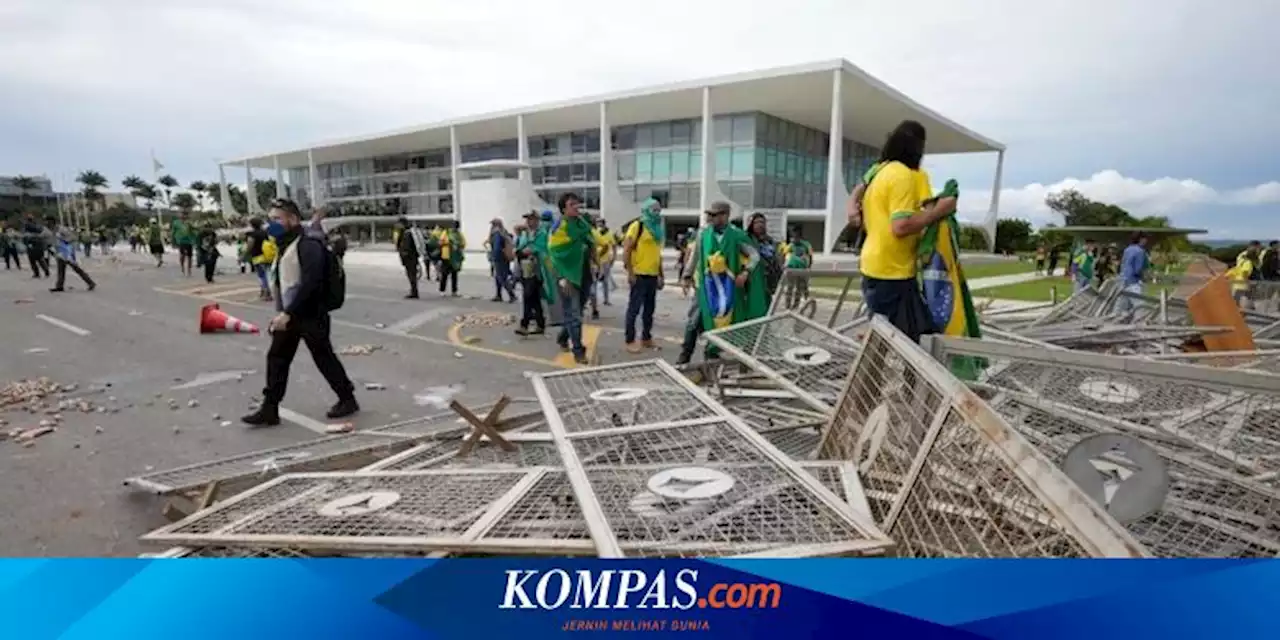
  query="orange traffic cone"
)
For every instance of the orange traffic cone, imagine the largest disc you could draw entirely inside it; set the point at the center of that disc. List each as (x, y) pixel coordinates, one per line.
(214, 319)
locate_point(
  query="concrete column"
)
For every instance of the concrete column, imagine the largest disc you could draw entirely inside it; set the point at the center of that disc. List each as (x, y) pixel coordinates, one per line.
(522, 150)
(373, 233)
(227, 208)
(606, 158)
(313, 190)
(280, 192)
(993, 213)
(836, 191)
(708, 151)
(250, 195)
(455, 159)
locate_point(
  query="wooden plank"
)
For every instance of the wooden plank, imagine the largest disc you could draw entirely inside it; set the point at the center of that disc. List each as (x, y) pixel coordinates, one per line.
(1211, 305)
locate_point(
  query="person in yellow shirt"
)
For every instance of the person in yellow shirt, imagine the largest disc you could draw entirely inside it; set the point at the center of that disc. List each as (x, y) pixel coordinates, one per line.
(452, 247)
(642, 257)
(606, 255)
(896, 206)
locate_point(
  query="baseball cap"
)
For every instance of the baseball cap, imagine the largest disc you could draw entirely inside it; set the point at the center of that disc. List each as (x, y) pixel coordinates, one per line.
(547, 216)
(719, 207)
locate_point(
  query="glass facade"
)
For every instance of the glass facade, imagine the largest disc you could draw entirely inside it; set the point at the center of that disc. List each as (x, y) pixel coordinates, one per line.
(761, 161)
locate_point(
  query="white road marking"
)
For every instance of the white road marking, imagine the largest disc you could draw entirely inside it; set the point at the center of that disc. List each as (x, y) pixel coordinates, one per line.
(303, 421)
(418, 319)
(63, 324)
(212, 378)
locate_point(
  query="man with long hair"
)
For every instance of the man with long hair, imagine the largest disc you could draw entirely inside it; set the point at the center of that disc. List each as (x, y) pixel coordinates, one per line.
(896, 206)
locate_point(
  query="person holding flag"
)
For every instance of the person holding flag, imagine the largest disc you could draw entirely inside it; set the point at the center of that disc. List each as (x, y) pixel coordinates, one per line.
(897, 205)
(535, 281)
(452, 247)
(730, 289)
(571, 247)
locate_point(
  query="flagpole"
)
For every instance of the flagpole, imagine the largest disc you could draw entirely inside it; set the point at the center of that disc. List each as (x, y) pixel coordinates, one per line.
(155, 178)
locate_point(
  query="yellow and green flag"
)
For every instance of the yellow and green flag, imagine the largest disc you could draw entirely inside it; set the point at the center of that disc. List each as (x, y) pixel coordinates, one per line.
(946, 292)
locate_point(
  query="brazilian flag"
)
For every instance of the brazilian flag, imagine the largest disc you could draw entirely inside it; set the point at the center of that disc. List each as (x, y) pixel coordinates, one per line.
(946, 292)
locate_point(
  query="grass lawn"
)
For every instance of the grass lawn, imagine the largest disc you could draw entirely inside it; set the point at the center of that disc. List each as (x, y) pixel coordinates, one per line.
(971, 272)
(1040, 290)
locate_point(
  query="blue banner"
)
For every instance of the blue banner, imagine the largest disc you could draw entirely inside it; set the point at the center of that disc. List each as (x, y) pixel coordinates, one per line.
(530, 599)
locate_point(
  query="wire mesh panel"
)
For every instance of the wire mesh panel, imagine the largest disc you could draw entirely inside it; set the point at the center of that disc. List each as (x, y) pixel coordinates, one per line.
(801, 356)
(360, 511)
(1231, 416)
(237, 473)
(623, 394)
(774, 414)
(829, 297)
(945, 475)
(1202, 511)
(449, 424)
(485, 455)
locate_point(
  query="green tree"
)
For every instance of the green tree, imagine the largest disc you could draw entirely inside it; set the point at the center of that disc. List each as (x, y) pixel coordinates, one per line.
(265, 191)
(168, 183)
(1013, 234)
(185, 202)
(1079, 211)
(132, 183)
(24, 184)
(121, 216)
(973, 238)
(1051, 236)
(91, 181)
(238, 201)
(197, 189)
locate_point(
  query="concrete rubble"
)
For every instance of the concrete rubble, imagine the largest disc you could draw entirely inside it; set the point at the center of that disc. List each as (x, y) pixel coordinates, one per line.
(1083, 431)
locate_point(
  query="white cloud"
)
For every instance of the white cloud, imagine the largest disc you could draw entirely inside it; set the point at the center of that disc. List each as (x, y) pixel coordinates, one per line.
(1173, 197)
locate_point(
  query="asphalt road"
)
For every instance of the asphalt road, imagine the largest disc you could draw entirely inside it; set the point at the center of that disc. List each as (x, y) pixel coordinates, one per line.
(133, 348)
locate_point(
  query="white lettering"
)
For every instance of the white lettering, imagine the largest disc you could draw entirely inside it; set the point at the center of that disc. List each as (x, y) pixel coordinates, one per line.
(632, 581)
(541, 591)
(657, 591)
(588, 590)
(515, 589)
(685, 579)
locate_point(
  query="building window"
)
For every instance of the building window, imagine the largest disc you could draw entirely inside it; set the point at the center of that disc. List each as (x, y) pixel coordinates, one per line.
(591, 197)
(593, 172)
(593, 141)
(661, 195)
(535, 175)
(661, 135)
(644, 137)
(722, 130)
(679, 164)
(695, 165)
(578, 142)
(724, 163)
(644, 166)
(578, 172)
(628, 193)
(744, 162)
(626, 166)
(624, 138)
(446, 204)
(662, 166)
(744, 128)
(444, 184)
(679, 197)
(682, 132)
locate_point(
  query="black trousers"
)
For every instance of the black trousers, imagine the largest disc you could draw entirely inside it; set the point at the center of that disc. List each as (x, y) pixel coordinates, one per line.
(11, 253)
(37, 259)
(448, 276)
(210, 264)
(62, 274)
(411, 270)
(284, 346)
(531, 295)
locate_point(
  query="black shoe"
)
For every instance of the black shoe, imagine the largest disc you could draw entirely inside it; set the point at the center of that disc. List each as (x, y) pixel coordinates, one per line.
(595, 315)
(683, 360)
(344, 408)
(522, 332)
(411, 296)
(497, 299)
(581, 359)
(564, 346)
(267, 415)
(57, 290)
(537, 332)
(93, 285)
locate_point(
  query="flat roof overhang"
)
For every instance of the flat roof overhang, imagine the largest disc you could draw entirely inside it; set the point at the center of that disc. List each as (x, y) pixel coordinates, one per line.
(801, 94)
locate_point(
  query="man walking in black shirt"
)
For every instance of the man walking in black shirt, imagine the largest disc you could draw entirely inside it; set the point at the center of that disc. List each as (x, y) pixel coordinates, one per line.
(37, 241)
(300, 282)
(408, 243)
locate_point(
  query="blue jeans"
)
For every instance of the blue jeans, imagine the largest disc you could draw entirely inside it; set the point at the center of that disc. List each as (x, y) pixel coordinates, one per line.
(1078, 284)
(1124, 303)
(642, 301)
(571, 303)
(502, 280)
(603, 284)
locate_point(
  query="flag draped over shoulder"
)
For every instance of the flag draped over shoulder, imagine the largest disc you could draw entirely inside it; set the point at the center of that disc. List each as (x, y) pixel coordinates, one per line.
(567, 246)
(946, 292)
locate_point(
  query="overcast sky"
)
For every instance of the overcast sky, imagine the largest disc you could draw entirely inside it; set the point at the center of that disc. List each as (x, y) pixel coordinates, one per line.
(1166, 107)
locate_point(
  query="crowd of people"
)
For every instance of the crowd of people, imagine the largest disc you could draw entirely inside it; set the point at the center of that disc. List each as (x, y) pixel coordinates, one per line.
(567, 258)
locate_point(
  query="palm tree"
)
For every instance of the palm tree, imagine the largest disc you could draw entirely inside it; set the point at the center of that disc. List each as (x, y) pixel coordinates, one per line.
(92, 181)
(185, 202)
(149, 193)
(169, 183)
(197, 189)
(132, 183)
(24, 184)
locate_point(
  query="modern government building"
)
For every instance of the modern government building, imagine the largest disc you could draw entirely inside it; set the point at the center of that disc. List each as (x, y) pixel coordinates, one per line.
(791, 141)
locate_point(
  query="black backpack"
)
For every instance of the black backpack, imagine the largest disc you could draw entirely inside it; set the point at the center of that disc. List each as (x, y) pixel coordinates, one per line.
(335, 278)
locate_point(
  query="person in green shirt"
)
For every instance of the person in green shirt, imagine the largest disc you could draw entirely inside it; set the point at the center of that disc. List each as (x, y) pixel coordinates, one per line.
(185, 240)
(799, 258)
(722, 264)
(1083, 263)
(155, 241)
(571, 247)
